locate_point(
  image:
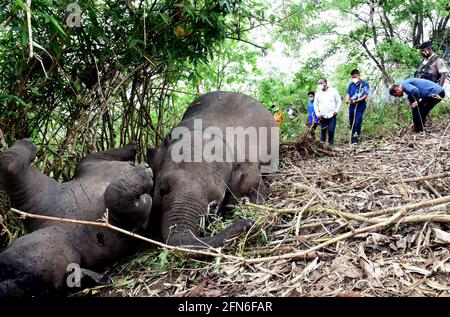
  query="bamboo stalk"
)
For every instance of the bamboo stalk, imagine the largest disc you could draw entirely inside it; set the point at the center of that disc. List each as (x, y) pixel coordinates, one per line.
(409, 219)
(30, 35)
(305, 253)
(364, 217)
(426, 178)
(414, 206)
(134, 235)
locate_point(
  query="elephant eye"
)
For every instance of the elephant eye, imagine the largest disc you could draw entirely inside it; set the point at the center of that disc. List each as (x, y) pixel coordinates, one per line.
(164, 189)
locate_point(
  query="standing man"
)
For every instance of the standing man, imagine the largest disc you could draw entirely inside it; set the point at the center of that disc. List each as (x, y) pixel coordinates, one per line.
(358, 91)
(313, 120)
(423, 95)
(327, 104)
(432, 67)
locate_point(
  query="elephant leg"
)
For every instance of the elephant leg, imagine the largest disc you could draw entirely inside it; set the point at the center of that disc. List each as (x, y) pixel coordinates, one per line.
(124, 154)
(128, 198)
(26, 186)
(36, 264)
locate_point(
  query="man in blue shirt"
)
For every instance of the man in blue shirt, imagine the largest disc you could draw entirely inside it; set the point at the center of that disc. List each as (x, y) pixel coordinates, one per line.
(358, 91)
(422, 94)
(313, 121)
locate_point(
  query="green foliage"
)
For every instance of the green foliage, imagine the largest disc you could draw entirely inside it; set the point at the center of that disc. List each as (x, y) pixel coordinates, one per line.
(115, 77)
(387, 33)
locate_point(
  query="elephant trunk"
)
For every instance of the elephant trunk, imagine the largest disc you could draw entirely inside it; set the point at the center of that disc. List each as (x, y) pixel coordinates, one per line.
(181, 223)
(181, 218)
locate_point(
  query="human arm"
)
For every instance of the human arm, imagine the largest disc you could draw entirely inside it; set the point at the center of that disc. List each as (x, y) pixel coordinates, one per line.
(412, 91)
(442, 70)
(316, 107)
(348, 99)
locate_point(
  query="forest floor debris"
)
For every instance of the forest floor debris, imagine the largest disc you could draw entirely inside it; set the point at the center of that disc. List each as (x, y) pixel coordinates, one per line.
(313, 200)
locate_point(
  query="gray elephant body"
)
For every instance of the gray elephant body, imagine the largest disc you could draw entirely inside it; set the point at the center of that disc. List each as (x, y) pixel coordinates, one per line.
(36, 263)
(184, 191)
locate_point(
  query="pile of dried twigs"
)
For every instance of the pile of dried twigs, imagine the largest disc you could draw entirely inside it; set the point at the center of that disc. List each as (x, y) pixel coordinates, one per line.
(373, 220)
(307, 146)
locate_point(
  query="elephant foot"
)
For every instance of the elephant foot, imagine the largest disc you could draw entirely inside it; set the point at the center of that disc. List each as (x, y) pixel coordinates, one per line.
(128, 199)
(21, 154)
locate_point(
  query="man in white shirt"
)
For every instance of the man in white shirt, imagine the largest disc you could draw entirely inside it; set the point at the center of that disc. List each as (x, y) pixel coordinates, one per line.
(327, 104)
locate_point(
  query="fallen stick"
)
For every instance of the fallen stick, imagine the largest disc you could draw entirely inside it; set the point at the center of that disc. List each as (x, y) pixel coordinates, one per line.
(425, 178)
(300, 214)
(409, 219)
(414, 206)
(363, 217)
(106, 224)
(303, 254)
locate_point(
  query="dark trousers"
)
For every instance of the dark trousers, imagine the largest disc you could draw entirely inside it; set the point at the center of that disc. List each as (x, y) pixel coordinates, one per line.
(327, 125)
(356, 116)
(421, 111)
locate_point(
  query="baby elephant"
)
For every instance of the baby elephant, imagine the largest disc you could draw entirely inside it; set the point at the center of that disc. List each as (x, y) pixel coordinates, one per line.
(36, 263)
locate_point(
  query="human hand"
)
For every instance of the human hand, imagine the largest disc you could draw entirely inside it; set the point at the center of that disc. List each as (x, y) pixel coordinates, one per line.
(414, 104)
(334, 114)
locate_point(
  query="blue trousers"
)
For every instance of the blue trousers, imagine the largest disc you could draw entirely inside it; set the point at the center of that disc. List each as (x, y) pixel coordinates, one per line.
(356, 121)
(327, 125)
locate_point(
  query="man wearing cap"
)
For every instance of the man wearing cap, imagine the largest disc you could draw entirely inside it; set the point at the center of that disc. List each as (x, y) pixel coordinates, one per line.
(432, 67)
(422, 94)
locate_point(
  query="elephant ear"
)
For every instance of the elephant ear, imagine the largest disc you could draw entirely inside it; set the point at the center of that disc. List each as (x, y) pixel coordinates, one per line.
(245, 178)
(154, 159)
(151, 153)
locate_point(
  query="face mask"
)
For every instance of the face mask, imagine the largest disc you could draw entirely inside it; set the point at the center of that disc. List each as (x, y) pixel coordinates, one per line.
(311, 98)
(320, 86)
(425, 54)
(355, 80)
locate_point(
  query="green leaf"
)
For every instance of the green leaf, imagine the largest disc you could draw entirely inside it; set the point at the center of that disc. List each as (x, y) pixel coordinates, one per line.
(21, 4)
(56, 24)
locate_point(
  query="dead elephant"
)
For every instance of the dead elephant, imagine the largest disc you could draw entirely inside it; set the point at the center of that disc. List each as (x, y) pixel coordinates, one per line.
(185, 190)
(36, 263)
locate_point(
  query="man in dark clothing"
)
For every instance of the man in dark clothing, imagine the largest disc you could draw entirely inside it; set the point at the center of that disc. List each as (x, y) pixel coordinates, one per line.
(423, 95)
(357, 93)
(432, 67)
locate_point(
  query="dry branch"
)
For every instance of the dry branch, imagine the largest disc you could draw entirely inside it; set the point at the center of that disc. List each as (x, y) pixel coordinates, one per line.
(30, 35)
(302, 254)
(426, 178)
(134, 235)
(414, 206)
